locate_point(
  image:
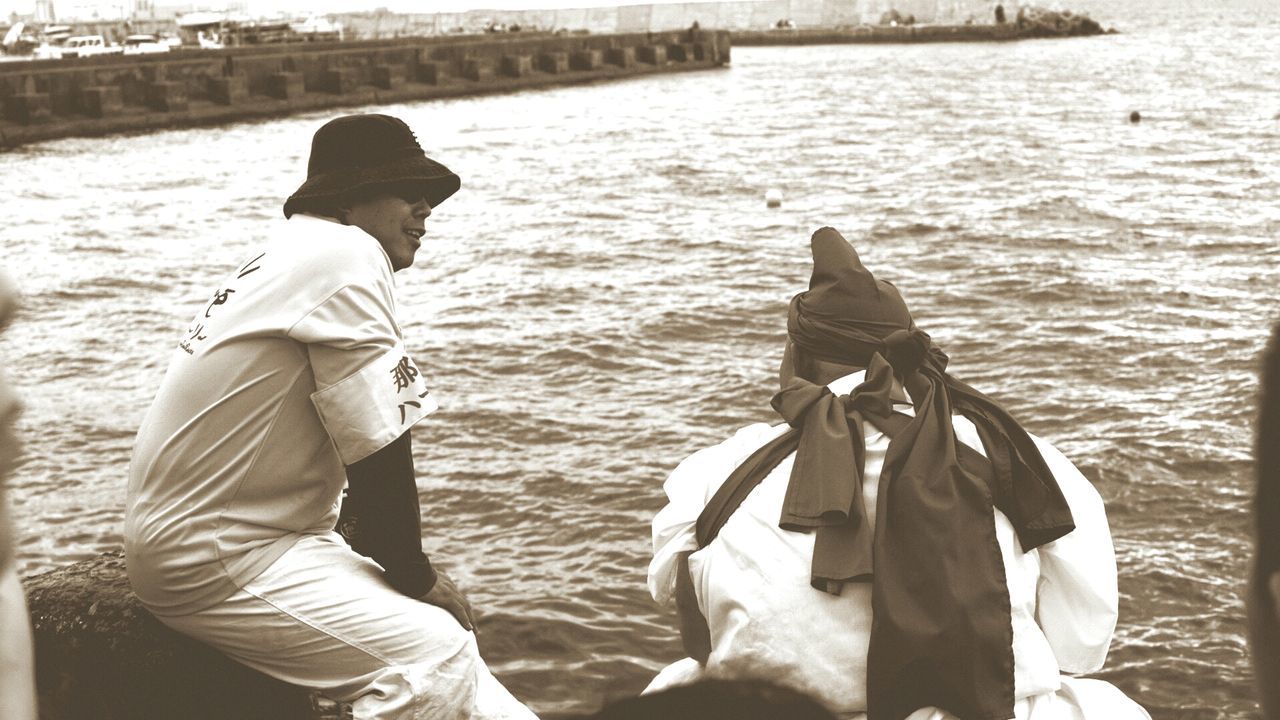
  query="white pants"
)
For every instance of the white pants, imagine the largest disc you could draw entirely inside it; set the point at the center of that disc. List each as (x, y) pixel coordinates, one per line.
(322, 617)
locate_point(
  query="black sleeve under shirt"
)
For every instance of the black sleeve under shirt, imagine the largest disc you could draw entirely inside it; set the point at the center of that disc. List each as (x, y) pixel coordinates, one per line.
(1266, 503)
(382, 505)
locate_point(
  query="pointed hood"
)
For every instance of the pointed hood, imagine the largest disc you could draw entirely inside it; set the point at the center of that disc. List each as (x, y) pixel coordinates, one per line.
(846, 310)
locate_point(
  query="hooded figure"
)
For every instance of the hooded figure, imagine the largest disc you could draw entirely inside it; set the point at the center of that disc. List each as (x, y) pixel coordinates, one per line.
(900, 546)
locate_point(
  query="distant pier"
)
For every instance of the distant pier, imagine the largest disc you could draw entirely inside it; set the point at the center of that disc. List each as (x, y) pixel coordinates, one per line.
(1058, 25)
(44, 100)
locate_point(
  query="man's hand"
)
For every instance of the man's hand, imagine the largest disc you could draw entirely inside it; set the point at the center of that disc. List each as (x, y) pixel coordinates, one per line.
(444, 594)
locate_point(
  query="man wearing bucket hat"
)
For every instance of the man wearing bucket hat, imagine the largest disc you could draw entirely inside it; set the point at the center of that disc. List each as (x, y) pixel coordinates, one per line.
(899, 547)
(292, 380)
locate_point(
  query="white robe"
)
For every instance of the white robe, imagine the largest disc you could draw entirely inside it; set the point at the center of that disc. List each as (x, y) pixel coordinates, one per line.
(766, 622)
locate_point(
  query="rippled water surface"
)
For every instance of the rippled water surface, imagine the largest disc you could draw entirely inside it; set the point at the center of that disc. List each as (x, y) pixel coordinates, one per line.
(607, 294)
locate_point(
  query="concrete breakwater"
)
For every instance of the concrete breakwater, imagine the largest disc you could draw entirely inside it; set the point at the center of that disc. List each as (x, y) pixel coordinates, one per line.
(43, 100)
(904, 34)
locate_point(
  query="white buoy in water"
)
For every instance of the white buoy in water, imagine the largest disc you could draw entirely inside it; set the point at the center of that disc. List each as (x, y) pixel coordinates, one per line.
(773, 198)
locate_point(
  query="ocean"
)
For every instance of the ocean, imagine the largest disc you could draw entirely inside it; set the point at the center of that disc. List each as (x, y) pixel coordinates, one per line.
(608, 291)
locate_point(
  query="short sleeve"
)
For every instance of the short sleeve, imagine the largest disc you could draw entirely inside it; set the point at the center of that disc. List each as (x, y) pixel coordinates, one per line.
(689, 488)
(1077, 599)
(368, 390)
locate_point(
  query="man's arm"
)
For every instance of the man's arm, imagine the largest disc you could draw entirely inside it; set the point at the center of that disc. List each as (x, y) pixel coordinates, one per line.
(1263, 595)
(384, 494)
(688, 489)
(1077, 599)
(1264, 636)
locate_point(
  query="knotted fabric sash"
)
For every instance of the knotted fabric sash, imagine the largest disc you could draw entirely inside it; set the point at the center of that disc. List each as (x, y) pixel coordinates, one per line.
(941, 632)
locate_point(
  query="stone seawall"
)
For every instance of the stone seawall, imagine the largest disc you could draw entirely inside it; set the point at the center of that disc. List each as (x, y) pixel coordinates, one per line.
(42, 100)
(1082, 26)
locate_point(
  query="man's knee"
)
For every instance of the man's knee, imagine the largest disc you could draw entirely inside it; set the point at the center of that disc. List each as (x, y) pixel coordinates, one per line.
(439, 686)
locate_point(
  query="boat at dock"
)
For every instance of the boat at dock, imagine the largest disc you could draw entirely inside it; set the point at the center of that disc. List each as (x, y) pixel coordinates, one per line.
(212, 31)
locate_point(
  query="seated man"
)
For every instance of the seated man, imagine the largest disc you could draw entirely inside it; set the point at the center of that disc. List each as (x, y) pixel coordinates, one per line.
(291, 380)
(869, 553)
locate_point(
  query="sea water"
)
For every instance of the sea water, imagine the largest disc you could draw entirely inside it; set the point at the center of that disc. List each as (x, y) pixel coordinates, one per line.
(607, 294)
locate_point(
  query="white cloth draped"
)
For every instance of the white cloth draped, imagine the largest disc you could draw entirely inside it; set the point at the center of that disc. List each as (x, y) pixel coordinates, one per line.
(766, 622)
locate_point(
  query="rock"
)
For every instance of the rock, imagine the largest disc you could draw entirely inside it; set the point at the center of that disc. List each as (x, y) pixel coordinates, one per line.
(101, 656)
(1039, 22)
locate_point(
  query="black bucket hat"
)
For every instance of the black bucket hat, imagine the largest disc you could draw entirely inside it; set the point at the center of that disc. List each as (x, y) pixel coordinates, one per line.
(360, 151)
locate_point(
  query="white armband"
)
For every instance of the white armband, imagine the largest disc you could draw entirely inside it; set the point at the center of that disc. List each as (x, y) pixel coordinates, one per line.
(365, 411)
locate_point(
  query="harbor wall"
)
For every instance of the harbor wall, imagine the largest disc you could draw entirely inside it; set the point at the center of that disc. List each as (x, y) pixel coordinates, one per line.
(871, 34)
(41, 100)
(736, 15)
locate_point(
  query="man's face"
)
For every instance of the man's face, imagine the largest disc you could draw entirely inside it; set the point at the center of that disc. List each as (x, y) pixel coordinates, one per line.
(395, 217)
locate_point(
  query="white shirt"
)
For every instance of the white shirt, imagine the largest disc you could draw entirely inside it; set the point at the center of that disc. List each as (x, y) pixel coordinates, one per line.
(767, 622)
(293, 368)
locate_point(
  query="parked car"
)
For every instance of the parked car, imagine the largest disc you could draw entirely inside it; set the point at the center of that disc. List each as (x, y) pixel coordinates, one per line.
(143, 44)
(86, 46)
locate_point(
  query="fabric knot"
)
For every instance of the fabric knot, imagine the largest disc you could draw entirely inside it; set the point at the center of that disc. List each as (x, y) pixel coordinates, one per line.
(906, 350)
(794, 401)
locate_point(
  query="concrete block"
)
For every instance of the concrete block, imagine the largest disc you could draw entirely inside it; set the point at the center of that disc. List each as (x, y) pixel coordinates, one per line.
(553, 62)
(622, 57)
(167, 96)
(429, 73)
(517, 65)
(29, 108)
(679, 52)
(586, 60)
(339, 81)
(101, 101)
(652, 54)
(388, 76)
(285, 85)
(27, 84)
(155, 72)
(228, 90)
(476, 70)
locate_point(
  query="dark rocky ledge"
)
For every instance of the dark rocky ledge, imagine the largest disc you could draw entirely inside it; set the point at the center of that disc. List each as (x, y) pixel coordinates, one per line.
(1034, 22)
(101, 656)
